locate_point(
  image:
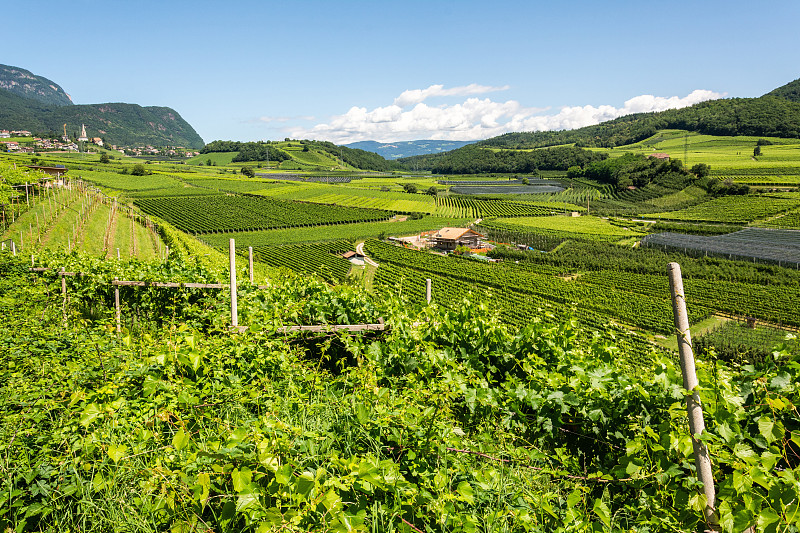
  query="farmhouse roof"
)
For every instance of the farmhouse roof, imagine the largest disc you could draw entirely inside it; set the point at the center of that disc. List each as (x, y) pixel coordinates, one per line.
(455, 233)
(659, 155)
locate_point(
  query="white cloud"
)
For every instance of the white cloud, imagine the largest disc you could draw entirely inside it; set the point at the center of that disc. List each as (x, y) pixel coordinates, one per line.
(416, 96)
(409, 118)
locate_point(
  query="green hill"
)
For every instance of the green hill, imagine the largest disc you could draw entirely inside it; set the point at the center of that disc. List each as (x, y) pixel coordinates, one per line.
(31, 102)
(776, 114)
(790, 91)
(303, 155)
(117, 123)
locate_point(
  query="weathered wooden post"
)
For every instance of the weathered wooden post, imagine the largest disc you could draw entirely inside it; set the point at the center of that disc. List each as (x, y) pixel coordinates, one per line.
(428, 290)
(234, 309)
(117, 310)
(117, 254)
(250, 260)
(64, 295)
(166, 252)
(14, 248)
(693, 408)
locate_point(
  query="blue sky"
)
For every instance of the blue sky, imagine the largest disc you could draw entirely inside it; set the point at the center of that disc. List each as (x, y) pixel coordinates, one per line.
(387, 71)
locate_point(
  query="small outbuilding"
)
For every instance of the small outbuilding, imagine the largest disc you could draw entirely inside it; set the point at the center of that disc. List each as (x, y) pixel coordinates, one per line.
(354, 257)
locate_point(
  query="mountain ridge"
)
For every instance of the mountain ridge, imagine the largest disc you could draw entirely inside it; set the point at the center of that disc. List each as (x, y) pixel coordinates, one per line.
(399, 149)
(117, 123)
(26, 84)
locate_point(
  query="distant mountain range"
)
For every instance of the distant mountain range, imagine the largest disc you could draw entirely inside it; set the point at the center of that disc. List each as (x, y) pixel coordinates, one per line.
(37, 104)
(400, 149)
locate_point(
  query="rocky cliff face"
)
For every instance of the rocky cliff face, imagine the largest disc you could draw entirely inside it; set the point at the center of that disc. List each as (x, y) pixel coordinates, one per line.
(28, 85)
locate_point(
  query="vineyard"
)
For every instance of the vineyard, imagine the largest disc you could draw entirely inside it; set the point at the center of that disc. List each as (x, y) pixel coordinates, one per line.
(767, 245)
(446, 421)
(735, 209)
(460, 206)
(217, 214)
(348, 232)
(536, 394)
(506, 189)
(506, 282)
(790, 220)
(317, 259)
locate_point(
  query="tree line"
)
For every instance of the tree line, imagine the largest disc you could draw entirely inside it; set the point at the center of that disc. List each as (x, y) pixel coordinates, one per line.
(473, 159)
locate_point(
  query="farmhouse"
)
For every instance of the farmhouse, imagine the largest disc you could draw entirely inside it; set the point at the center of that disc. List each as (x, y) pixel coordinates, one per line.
(660, 155)
(451, 238)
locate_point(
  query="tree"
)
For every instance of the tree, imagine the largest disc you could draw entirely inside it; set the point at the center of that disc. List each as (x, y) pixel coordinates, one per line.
(574, 172)
(138, 170)
(249, 172)
(525, 181)
(208, 162)
(701, 170)
(104, 158)
(410, 188)
(432, 190)
(757, 151)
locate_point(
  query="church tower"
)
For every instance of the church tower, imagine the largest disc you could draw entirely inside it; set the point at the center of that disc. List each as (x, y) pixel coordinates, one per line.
(83, 136)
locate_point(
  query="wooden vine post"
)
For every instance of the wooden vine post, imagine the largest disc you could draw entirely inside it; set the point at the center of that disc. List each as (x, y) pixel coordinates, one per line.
(693, 407)
(428, 290)
(250, 259)
(234, 310)
(117, 310)
(64, 295)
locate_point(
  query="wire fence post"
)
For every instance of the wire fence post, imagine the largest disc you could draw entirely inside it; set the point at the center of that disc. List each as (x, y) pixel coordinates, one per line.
(117, 310)
(234, 310)
(693, 407)
(250, 259)
(428, 290)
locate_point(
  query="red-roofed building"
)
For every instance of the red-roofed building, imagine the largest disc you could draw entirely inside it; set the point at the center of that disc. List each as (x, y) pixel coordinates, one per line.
(451, 238)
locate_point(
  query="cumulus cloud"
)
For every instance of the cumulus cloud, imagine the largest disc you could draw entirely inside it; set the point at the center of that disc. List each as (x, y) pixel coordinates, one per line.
(409, 118)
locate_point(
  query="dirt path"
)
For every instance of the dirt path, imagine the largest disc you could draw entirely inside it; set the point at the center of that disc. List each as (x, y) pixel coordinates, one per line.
(367, 260)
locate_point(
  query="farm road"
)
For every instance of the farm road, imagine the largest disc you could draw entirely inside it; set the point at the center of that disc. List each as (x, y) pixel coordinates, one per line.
(360, 250)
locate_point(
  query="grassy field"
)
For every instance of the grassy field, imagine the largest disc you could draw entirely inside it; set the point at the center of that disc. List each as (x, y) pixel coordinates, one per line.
(220, 159)
(589, 225)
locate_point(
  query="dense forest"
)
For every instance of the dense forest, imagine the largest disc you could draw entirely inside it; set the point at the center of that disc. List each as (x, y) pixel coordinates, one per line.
(473, 159)
(634, 170)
